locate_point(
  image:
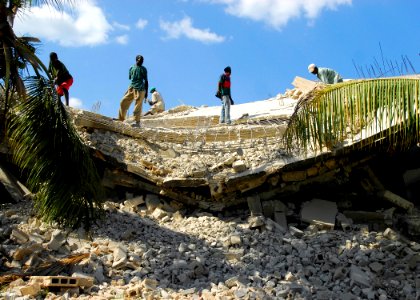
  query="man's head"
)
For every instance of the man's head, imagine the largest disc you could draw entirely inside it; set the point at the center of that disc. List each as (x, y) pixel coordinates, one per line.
(139, 60)
(228, 70)
(152, 89)
(312, 68)
(53, 56)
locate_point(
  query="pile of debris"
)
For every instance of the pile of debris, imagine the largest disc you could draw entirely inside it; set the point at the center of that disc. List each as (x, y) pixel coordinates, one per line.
(207, 213)
(148, 248)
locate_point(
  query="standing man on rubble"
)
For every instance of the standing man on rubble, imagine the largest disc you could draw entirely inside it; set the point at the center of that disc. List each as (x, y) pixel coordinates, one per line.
(224, 92)
(137, 90)
(326, 75)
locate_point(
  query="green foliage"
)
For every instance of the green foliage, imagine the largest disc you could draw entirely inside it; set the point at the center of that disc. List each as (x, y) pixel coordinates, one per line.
(60, 168)
(384, 111)
(43, 141)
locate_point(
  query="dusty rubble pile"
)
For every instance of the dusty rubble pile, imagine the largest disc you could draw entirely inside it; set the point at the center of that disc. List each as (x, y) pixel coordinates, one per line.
(182, 160)
(191, 152)
(146, 248)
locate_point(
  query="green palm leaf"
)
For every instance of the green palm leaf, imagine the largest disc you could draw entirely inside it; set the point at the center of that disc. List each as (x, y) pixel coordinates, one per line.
(380, 111)
(59, 165)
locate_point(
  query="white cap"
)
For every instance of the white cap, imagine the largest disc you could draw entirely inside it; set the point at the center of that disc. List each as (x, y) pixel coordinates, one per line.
(311, 68)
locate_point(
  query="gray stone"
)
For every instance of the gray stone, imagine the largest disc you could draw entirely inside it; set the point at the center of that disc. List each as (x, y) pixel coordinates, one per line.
(280, 218)
(319, 212)
(57, 240)
(256, 222)
(340, 273)
(296, 231)
(376, 267)
(134, 202)
(240, 293)
(152, 202)
(239, 166)
(19, 236)
(359, 277)
(254, 204)
(235, 239)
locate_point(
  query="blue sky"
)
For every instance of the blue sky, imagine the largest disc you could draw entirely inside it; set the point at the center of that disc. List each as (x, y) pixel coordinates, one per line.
(186, 44)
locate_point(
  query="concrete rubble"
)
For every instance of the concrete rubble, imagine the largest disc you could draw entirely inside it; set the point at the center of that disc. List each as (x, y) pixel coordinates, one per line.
(179, 232)
(144, 248)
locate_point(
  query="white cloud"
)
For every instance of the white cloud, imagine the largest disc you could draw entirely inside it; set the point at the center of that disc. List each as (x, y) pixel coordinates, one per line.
(277, 13)
(84, 24)
(75, 102)
(141, 23)
(185, 28)
(120, 26)
(122, 39)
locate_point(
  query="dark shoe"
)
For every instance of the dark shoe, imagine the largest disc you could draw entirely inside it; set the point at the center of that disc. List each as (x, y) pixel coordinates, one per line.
(116, 119)
(137, 125)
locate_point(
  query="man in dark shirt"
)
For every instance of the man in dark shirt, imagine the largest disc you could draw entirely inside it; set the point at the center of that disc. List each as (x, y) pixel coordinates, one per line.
(62, 78)
(224, 91)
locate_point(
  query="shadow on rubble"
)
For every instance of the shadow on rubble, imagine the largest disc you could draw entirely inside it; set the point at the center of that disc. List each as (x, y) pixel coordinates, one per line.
(301, 262)
(258, 256)
(176, 260)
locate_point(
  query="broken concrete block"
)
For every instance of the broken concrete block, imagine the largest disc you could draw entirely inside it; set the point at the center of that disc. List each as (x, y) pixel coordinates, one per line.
(152, 202)
(280, 218)
(230, 160)
(340, 273)
(57, 240)
(19, 236)
(294, 176)
(83, 280)
(134, 202)
(397, 200)
(271, 225)
(170, 153)
(411, 176)
(159, 213)
(55, 281)
(235, 239)
(256, 221)
(254, 205)
(391, 234)
(296, 232)
(319, 212)
(359, 277)
(331, 164)
(30, 290)
(268, 209)
(376, 267)
(239, 166)
(412, 223)
(345, 223)
(312, 172)
(119, 257)
(280, 206)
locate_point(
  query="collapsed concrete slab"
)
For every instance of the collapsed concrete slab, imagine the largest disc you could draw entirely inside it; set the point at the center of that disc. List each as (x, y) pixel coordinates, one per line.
(320, 212)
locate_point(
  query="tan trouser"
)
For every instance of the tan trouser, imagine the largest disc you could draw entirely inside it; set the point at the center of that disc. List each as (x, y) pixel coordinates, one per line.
(155, 109)
(130, 95)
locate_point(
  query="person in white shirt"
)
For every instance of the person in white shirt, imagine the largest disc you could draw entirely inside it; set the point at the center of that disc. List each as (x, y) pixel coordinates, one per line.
(157, 103)
(326, 75)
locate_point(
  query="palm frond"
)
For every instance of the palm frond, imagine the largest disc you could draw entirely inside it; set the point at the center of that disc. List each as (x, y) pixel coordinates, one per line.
(60, 168)
(380, 110)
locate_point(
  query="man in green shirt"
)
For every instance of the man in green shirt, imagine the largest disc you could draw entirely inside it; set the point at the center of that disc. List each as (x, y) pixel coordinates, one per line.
(326, 75)
(137, 90)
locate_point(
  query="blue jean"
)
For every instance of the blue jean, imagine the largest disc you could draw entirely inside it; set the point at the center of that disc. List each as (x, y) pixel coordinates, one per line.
(225, 113)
